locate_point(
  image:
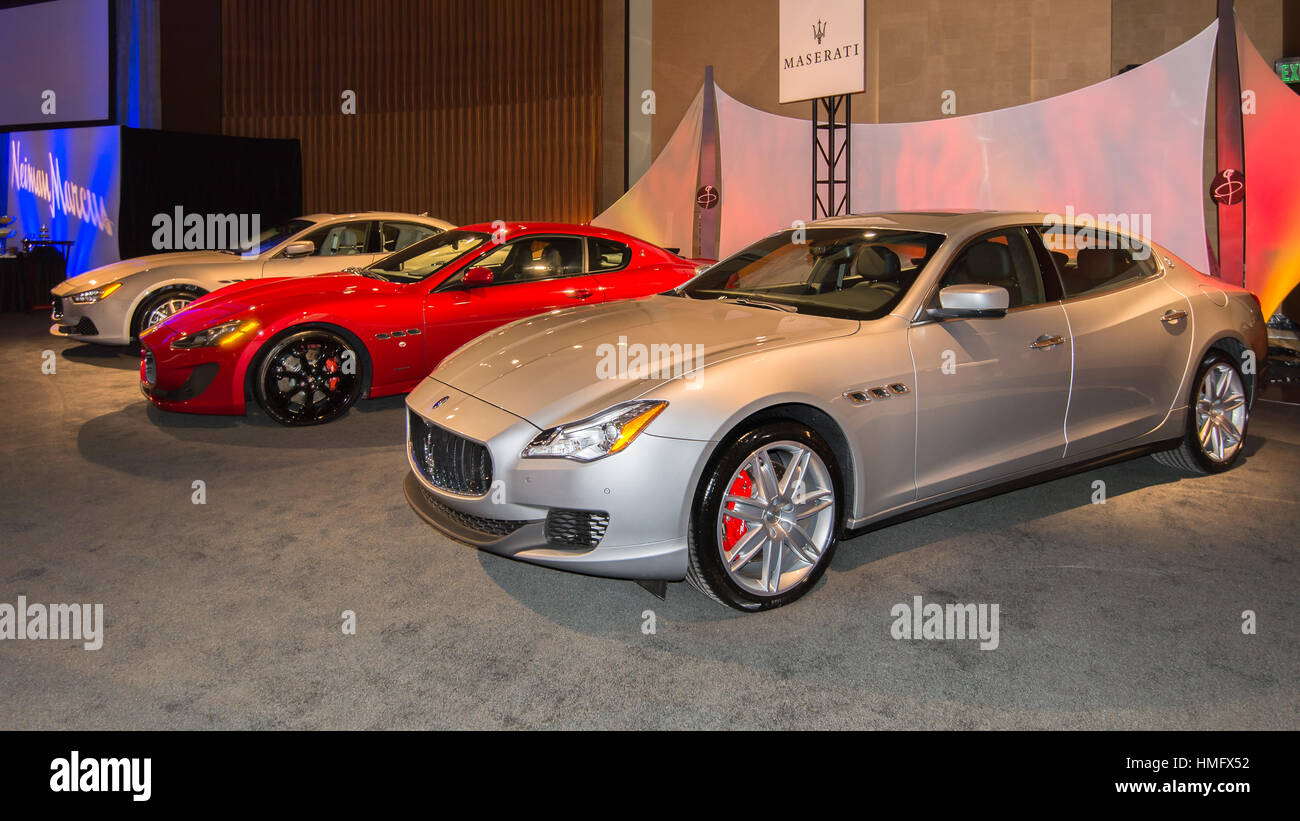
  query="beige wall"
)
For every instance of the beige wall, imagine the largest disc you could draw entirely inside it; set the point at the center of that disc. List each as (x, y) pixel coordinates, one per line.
(991, 53)
(737, 37)
(1145, 29)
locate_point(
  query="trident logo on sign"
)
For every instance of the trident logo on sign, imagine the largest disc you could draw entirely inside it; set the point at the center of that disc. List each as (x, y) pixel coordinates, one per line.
(819, 31)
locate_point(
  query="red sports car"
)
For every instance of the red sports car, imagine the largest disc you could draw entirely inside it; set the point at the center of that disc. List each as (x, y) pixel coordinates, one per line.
(306, 348)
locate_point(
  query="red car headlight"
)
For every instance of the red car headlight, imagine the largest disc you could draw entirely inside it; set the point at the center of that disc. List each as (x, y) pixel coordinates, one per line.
(224, 335)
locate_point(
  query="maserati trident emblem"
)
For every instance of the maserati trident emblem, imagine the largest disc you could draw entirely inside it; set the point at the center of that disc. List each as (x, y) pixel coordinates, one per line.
(819, 30)
(438, 404)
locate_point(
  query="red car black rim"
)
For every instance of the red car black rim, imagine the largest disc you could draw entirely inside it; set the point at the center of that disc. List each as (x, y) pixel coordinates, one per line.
(311, 378)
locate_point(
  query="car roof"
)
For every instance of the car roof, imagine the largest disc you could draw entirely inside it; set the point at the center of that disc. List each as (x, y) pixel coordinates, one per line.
(394, 215)
(939, 222)
(516, 229)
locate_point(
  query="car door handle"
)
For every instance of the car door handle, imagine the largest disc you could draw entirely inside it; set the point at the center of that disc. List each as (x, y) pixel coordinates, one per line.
(578, 293)
(1046, 341)
(1171, 316)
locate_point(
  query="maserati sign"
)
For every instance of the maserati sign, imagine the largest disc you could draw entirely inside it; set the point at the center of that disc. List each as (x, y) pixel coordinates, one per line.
(822, 50)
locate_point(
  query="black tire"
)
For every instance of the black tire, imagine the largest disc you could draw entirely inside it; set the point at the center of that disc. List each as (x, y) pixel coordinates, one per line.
(705, 570)
(1190, 456)
(151, 303)
(301, 378)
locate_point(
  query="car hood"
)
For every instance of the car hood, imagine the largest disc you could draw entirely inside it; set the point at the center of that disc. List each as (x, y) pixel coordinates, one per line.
(127, 267)
(566, 364)
(265, 297)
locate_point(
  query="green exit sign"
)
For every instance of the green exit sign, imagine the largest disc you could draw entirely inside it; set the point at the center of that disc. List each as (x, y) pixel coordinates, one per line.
(1289, 71)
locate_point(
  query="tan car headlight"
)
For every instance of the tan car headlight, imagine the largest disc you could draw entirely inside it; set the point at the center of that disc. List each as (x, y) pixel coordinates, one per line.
(95, 294)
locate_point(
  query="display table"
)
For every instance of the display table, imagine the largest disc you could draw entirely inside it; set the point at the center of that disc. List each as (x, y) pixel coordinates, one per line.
(26, 278)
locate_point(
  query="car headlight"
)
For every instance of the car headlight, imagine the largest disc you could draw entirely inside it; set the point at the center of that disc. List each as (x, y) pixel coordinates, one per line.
(225, 334)
(597, 436)
(95, 294)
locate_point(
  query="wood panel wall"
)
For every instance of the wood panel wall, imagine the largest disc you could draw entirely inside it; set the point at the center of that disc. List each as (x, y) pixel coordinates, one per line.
(472, 111)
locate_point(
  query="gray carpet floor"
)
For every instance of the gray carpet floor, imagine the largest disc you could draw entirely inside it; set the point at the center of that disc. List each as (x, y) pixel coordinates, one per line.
(227, 615)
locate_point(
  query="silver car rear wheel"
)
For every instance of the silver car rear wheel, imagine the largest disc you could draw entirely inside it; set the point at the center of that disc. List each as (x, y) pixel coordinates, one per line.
(1221, 412)
(1217, 419)
(777, 518)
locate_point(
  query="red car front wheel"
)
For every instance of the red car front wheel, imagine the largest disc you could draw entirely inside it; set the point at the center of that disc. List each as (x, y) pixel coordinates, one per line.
(308, 378)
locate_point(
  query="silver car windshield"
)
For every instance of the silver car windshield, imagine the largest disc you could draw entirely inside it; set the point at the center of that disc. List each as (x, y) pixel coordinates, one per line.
(853, 273)
(272, 237)
(423, 259)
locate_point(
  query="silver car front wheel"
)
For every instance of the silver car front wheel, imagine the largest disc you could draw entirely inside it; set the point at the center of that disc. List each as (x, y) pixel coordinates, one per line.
(777, 518)
(764, 527)
(159, 307)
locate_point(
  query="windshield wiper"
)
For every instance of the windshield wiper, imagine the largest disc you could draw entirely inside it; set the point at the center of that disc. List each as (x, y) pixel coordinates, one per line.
(365, 272)
(759, 303)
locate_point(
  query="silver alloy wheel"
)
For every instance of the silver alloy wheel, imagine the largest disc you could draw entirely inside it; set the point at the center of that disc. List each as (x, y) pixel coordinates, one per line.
(1220, 412)
(788, 519)
(171, 307)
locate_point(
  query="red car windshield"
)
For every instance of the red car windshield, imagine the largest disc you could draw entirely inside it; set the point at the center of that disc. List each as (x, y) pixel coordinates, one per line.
(423, 259)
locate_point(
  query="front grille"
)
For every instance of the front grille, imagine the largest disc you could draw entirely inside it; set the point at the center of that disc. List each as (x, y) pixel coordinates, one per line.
(448, 461)
(56, 308)
(84, 327)
(576, 528)
(482, 524)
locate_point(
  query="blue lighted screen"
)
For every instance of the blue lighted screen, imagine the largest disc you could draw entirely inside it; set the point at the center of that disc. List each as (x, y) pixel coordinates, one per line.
(66, 182)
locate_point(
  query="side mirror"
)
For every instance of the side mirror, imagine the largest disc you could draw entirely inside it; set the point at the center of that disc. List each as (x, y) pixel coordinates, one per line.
(475, 277)
(972, 302)
(301, 248)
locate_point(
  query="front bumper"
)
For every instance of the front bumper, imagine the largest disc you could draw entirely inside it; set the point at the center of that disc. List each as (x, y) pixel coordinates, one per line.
(624, 516)
(202, 380)
(101, 322)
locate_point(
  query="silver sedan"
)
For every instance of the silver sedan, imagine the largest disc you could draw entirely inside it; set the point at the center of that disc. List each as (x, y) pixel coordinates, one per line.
(825, 381)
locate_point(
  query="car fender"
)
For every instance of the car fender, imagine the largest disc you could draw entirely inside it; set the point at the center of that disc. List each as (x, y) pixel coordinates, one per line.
(162, 283)
(731, 396)
(268, 333)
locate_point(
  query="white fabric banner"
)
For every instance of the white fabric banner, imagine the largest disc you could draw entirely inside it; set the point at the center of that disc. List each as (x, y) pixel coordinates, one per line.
(1133, 144)
(660, 207)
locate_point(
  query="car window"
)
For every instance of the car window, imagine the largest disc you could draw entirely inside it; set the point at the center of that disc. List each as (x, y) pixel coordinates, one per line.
(1086, 269)
(272, 237)
(428, 257)
(395, 236)
(1003, 258)
(534, 258)
(846, 271)
(340, 240)
(608, 255)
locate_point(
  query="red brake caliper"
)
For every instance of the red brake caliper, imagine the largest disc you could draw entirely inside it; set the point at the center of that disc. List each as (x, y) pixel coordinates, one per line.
(331, 367)
(733, 528)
